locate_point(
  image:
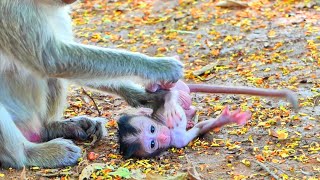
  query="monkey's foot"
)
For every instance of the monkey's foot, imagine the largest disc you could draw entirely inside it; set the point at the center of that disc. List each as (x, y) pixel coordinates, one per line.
(236, 116)
(55, 153)
(78, 128)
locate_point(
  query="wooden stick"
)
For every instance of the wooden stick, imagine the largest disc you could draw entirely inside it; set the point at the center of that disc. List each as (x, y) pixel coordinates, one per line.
(94, 103)
(195, 174)
(267, 169)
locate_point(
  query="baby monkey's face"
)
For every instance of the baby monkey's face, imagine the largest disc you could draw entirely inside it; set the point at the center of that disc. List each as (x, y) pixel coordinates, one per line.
(153, 135)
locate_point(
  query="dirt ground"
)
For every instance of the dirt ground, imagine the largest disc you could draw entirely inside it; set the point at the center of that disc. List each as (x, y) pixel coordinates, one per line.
(268, 44)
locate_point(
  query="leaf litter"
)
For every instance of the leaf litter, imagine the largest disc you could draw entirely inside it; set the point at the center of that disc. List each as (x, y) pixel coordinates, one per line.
(267, 44)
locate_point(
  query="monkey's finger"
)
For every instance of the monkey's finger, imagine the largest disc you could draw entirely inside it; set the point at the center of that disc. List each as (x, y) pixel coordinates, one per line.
(167, 85)
(99, 131)
(173, 114)
(225, 111)
(94, 130)
(169, 124)
(152, 87)
(166, 115)
(235, 112)
(77, 133)
(177, 116)
(242, 118)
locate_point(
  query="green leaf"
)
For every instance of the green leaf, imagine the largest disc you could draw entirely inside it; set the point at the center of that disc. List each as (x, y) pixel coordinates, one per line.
(121, 172)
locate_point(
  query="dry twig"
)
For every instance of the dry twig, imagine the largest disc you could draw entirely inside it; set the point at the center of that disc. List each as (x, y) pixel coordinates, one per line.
(23, 173)
(195, 174)
(94, 103)
(267, 169)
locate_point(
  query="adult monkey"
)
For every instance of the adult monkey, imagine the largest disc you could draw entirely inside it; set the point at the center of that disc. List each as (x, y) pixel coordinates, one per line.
(37, 58)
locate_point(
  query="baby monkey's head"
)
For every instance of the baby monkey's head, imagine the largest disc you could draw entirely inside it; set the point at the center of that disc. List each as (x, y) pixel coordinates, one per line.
(142, 136)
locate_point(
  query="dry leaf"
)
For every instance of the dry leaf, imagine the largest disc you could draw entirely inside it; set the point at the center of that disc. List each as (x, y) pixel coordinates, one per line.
(88, 170)
(229, 3)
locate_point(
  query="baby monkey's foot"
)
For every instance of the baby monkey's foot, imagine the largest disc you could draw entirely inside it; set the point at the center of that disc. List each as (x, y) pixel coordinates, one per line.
(236, 116)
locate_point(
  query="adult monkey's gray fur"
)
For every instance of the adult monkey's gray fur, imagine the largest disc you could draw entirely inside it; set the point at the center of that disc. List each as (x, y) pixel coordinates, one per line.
(37, 58)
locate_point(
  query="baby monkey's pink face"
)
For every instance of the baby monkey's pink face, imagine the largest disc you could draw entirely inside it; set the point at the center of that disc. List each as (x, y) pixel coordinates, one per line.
(153, 136)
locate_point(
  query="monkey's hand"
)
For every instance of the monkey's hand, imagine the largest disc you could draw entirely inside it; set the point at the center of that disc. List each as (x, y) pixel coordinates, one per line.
(78, 128)
(165, 70)
(163, 73)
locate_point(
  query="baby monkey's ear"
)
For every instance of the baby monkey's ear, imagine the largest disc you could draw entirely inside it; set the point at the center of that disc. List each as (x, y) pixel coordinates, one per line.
(145, 112)
(125, 130)
(130, 150)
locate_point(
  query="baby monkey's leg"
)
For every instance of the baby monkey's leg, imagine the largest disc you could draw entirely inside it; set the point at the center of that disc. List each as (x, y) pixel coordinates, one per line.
(226, 117)
(203, 127)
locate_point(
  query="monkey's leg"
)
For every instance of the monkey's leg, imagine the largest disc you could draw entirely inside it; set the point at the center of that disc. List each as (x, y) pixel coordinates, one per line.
(79, 128)
(11, 142)
(16, 151)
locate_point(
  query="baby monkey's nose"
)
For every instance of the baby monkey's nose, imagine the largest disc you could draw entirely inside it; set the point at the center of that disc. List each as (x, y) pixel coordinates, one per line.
(163, 138)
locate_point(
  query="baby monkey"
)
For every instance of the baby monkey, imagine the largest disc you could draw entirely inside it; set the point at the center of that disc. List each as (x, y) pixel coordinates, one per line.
(149, 134)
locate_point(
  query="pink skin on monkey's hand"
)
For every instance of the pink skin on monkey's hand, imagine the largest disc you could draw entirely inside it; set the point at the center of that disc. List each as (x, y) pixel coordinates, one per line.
(236, 116)
(161, 85)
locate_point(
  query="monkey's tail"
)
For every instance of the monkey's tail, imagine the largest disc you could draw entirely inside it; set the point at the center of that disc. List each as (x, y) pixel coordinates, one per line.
(289, 95)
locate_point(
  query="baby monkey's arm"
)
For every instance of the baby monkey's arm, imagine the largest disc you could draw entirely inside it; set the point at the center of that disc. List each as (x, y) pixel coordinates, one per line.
(203, 127)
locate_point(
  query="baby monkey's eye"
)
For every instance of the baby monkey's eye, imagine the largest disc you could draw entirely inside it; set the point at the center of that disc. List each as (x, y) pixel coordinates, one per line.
(152, 144)
(152, 129)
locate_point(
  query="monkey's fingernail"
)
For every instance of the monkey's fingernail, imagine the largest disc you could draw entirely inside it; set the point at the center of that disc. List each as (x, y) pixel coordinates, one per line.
(83, 136)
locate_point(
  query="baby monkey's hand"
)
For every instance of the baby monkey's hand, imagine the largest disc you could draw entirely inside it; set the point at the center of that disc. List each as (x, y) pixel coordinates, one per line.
(172, 110)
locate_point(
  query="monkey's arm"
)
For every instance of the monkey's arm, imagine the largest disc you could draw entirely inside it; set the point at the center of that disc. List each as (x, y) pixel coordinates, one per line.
(45, 53)
(203, 127)
(134, 95)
